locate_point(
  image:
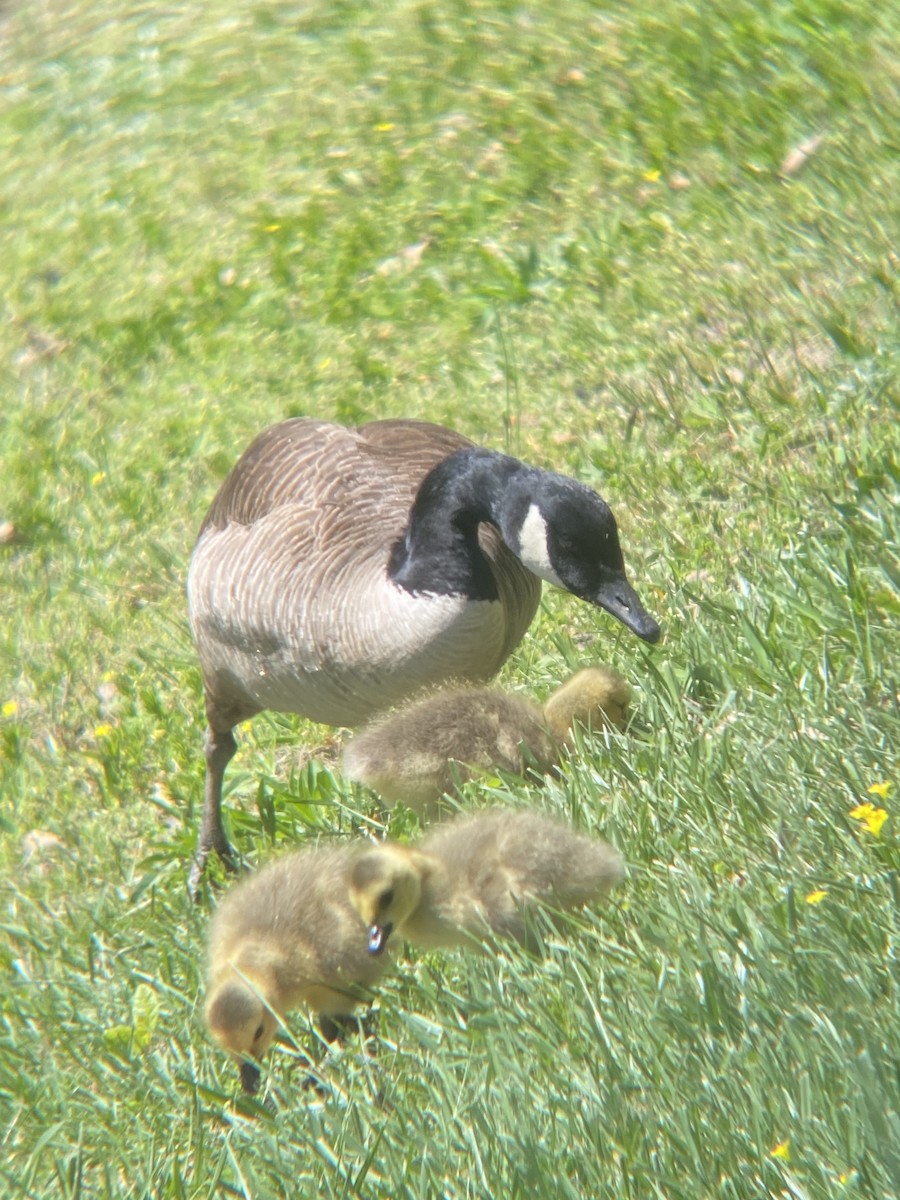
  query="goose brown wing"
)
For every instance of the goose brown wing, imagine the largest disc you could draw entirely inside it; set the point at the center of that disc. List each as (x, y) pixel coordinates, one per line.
(415, 446)
(311, 464)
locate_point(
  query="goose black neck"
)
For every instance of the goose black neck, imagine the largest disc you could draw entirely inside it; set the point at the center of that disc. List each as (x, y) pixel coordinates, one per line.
(439, 551)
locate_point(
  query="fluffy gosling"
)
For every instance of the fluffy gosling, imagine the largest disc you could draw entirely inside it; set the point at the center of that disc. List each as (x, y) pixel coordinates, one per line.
(477, 876)
(417, 754)
(282, 937)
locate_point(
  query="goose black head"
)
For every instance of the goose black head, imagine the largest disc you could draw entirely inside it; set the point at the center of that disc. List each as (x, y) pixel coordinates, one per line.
(565, 533)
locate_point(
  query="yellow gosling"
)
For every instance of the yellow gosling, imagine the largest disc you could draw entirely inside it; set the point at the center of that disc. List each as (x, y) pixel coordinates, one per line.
(283, 937)
(479, 876)
(421, 752)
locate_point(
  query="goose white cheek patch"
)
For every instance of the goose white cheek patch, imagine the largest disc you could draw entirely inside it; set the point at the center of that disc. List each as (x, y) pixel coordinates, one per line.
(533, 551)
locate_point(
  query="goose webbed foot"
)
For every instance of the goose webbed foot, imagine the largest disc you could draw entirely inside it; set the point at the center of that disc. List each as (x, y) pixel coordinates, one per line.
(227, 855)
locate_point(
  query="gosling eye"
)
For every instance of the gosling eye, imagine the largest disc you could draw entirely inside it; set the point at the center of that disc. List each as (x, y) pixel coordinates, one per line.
(258, 1033)
(386, 899)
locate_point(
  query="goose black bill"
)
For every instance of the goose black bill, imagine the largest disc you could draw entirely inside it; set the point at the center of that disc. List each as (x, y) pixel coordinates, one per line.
(616, 595)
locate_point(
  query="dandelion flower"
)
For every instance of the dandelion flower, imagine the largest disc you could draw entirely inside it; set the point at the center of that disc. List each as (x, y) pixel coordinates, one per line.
(102, 731)
(10, 708)
(880, 789)
(817, 896)
(782, 1150)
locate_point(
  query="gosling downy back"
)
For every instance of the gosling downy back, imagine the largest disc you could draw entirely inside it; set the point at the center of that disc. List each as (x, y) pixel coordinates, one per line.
(339, 571)
(479, 876)
(417, 754)
(282, 937)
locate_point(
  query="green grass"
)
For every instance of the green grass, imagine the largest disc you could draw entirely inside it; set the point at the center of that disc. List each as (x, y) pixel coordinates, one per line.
(562, 230)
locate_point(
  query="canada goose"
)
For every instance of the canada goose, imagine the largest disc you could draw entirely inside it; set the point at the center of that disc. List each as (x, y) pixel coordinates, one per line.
(417, 754)
(339, 571)
(285, 936)
(478, 875)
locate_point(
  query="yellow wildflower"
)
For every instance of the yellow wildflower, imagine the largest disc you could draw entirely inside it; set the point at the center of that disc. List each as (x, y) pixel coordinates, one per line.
(102, 731)
(384, 127)
(10, 708)
(652, 176)
(97, 478)
(782, 1150)
(873, 818)
(880, 789)
(817, 896)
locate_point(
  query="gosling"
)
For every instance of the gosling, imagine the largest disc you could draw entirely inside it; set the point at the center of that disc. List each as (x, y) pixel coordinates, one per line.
(283, 937)
(479, 876)
(421, 752)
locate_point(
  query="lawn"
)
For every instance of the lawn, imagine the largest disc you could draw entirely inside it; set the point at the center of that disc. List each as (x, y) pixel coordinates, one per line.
(651, 245)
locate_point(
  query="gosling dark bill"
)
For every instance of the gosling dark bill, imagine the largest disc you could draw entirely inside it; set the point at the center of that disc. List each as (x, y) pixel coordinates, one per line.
(250, 1077)
(378, 936)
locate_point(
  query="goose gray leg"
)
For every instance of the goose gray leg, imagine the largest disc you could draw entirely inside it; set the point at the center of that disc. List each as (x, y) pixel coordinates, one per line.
(220, 749)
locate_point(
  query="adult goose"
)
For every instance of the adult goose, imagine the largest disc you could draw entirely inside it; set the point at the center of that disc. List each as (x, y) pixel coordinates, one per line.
(340, 570)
